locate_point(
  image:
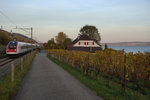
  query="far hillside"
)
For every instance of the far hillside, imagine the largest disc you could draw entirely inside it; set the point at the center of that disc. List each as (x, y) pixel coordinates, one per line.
(20, 37)
(128, 44)
(5, 37)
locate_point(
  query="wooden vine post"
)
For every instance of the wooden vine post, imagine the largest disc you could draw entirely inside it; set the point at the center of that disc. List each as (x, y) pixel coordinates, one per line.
(72, 60)
(12, 71)
(87, 64)
(21, 64)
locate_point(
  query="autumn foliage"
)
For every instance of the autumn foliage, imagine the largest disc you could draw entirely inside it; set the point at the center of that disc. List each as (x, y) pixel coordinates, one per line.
(4, 37)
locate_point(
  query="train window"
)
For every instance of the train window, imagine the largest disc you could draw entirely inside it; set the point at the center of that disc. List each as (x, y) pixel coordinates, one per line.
(24, 47)
(12, 45)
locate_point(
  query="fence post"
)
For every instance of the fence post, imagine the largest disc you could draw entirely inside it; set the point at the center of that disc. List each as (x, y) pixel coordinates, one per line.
(87, 70)
(28, 56)
(21, 64)
(12, 71)
(72, 61)
(30, 53)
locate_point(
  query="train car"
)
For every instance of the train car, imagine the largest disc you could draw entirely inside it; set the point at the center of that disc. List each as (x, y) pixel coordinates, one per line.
(16, 47)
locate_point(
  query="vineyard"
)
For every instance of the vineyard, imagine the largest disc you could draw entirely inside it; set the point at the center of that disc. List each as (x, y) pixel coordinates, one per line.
(118, 66)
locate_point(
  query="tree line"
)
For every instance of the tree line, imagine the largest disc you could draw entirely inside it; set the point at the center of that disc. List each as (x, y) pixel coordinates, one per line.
(61, 41)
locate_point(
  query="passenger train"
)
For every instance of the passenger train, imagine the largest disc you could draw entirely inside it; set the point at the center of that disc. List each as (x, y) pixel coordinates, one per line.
(16, 47)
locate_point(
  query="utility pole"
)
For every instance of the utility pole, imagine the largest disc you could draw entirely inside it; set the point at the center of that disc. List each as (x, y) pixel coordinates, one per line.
(11, 31)
(1, 27)
(31, 33)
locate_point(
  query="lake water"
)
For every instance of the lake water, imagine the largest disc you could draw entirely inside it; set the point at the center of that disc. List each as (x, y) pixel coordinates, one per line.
(133, 49)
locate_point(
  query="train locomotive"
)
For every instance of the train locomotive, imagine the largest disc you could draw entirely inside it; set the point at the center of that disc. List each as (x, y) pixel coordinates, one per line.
(16, 47)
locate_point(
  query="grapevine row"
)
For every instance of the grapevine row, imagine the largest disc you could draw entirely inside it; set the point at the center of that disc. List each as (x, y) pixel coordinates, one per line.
(127, 67)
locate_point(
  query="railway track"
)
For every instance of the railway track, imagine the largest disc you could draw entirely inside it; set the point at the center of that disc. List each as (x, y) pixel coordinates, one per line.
(5, 60)
(2, 56)
(5, 64)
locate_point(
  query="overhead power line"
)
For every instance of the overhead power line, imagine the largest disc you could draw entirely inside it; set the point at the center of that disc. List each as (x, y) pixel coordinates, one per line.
(11, 21)
(8, 18)
(22, 29)
(27, 29)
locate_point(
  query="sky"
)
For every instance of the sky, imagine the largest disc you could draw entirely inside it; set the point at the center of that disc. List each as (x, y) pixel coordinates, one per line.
(116, 20)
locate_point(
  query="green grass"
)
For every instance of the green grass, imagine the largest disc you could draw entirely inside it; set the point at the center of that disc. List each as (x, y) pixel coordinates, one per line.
(106, 89)
(9, 89)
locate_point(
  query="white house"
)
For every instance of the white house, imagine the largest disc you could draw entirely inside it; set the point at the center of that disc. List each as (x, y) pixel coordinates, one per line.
(84, 43)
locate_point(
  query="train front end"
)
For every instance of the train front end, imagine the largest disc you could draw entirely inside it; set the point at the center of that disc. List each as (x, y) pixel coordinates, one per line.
(12, 48)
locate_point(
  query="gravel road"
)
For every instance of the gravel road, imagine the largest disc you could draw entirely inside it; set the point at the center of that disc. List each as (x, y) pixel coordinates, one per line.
(48, 81)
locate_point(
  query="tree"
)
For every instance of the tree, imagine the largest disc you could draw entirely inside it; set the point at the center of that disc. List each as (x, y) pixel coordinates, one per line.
(51, 43)
(60, 38)
(66, 42)
(106, 47)
(91, 31)
(45, 45)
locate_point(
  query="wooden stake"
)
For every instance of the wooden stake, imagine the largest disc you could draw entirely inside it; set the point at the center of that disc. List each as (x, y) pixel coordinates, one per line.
(72, 61)
(21, 64)
(12, 71)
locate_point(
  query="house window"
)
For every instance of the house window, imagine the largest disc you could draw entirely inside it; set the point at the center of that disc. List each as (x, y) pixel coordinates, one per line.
(79, 43)
(84, 43)
(93, 43)
(87, 43)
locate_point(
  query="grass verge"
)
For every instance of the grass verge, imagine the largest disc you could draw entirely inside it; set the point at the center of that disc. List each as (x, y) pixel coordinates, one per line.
(108, 90)
(8, 89)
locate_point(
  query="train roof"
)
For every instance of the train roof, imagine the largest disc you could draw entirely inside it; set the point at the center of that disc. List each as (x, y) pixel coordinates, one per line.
(21, 42)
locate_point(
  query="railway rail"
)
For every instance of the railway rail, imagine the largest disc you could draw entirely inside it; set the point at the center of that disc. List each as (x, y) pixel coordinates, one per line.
(2, 56)
(6, 61)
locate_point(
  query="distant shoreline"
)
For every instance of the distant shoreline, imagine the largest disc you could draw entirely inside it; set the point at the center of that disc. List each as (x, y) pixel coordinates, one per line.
(127, 44)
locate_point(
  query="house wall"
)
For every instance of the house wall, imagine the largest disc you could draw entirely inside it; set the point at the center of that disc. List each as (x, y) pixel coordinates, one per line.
(86, 43)
(88, 49)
